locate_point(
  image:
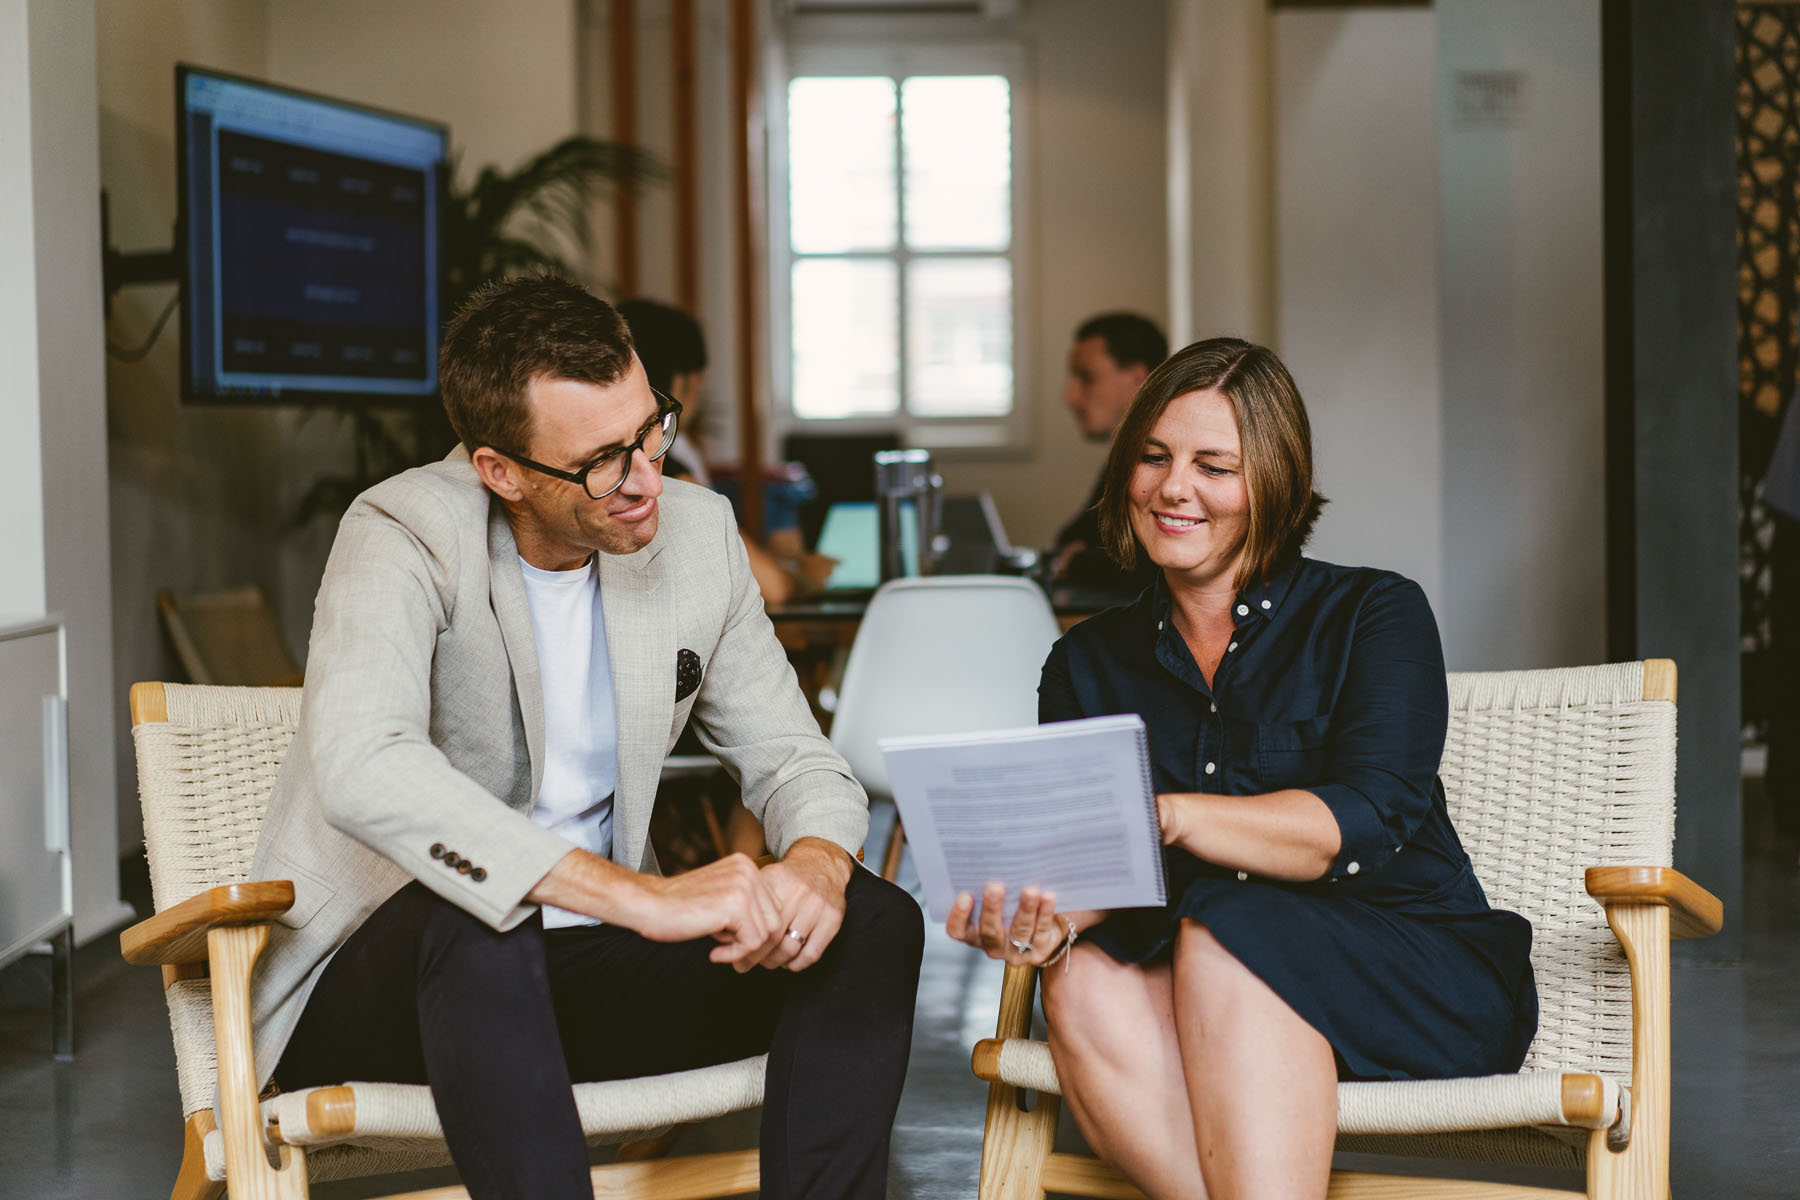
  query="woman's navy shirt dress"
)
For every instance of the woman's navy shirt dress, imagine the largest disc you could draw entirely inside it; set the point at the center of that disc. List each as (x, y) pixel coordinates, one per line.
(1333, 683)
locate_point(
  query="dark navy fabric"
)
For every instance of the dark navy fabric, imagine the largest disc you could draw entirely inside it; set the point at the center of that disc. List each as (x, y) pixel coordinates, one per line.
(1333, 683)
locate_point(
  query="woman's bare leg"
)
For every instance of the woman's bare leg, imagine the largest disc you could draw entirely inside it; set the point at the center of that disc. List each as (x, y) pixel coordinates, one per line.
(1262, 1083)
(1112, 1034)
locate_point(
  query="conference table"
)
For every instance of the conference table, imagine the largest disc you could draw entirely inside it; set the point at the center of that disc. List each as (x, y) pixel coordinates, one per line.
(1071, 605)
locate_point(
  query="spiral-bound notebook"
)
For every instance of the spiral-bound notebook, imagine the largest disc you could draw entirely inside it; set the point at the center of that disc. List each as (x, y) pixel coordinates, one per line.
(1066, 806)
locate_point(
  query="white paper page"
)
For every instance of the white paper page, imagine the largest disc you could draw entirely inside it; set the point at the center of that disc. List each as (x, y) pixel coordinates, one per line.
(1064, 806)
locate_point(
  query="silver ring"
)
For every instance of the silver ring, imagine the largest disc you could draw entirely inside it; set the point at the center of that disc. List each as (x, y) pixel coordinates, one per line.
(795, 936)
(1022, 946)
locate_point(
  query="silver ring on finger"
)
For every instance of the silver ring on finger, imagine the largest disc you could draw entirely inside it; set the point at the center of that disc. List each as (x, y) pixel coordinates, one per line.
(796, 937)
(1022, 945)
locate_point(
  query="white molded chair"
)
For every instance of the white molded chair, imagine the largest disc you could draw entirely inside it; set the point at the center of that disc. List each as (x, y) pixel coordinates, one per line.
(207, 758)
(940, 654)
(1561, 784)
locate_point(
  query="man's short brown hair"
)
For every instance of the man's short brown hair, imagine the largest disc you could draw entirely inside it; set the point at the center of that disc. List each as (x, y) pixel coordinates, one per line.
(514, 331)
(1277, 450)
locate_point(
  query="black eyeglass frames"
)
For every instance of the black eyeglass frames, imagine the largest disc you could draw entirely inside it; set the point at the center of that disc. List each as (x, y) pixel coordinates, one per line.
(607, 474)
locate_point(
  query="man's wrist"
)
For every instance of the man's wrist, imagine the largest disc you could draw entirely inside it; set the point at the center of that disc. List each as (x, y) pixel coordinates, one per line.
(593, 886)
(822, 854)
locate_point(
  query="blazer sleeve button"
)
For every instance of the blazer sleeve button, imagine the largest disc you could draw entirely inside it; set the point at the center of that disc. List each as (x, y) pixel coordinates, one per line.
(464, 867)
(437, 849)
(478, 874)
(451, 858)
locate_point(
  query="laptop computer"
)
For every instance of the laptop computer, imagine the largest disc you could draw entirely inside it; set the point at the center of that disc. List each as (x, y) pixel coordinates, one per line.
(852, 535)
(974, 541)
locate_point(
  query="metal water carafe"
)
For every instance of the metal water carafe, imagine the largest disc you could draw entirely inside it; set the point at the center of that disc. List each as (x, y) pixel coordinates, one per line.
(908, 497)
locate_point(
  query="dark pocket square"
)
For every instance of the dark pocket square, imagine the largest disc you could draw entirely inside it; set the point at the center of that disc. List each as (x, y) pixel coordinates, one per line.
(687, 674)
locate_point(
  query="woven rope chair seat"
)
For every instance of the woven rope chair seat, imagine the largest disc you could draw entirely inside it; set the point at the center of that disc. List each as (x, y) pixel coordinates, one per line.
(401, 1119)
(1411, 1107)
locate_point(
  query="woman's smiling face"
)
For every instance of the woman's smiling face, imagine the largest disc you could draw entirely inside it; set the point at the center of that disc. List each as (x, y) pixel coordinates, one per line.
(1190, 504)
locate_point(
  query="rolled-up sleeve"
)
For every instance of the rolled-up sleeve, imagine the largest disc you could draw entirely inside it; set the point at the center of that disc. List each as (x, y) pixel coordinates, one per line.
(1387, 728)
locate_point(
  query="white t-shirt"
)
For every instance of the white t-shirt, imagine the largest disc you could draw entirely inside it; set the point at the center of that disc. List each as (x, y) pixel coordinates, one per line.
(581, 720)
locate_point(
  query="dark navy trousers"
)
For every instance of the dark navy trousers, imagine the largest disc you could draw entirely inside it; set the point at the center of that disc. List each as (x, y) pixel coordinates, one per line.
(500, 1025)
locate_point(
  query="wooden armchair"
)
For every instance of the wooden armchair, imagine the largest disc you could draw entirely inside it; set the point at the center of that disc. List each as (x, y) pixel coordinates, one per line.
(1562, 785)
(207, 758)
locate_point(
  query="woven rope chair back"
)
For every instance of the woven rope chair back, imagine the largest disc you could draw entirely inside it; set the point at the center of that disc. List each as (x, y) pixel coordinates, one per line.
(1548, 773)
(204, 778)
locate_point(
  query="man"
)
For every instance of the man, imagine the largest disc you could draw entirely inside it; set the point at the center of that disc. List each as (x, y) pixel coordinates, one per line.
(1112, 355)
(505, 646)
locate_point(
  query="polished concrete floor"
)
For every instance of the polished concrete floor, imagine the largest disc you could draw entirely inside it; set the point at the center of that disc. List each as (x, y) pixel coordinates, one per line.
(108, 1125)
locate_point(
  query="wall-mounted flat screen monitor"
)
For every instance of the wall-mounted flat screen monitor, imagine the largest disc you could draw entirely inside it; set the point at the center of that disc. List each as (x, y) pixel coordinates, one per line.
(310, 249)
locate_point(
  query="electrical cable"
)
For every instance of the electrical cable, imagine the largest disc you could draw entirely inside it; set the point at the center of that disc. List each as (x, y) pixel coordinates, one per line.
(143, 351)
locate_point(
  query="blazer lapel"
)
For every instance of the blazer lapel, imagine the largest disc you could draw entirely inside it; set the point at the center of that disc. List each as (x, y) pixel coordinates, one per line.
(640, 641)
(506, 588)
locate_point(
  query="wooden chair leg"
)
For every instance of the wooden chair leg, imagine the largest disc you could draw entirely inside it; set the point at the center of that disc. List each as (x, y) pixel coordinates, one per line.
(1641, 1170)
(1015, 1145)
(232, 952)
(890, 860)
(191, 1183)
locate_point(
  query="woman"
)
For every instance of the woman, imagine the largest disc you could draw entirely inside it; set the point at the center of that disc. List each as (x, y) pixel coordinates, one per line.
(1323, 920)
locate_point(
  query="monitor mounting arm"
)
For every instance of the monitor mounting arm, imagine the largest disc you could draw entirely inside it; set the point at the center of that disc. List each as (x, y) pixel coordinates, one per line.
(119, 270)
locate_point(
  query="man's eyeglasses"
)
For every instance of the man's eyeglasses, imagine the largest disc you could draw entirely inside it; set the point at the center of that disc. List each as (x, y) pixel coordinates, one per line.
(607, 474)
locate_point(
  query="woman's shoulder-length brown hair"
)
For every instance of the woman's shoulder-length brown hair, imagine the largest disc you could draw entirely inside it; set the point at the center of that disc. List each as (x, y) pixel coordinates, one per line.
(1277, 450)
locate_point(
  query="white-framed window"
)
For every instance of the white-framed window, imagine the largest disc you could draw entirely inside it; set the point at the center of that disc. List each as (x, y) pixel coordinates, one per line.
(895, 227)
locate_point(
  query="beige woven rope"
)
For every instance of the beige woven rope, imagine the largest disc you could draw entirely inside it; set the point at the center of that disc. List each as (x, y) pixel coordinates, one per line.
(620, 1110)
(1415, 1106)
(204, 778)
(1549, 773)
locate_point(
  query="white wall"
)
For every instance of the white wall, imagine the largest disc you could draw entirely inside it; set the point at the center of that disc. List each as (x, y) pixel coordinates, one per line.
(21, 453)
(1438, 293)
(1099, 240)
(48, 146)
(1357, 313)
(1524, 548)
(501, 75)
(1222, 145)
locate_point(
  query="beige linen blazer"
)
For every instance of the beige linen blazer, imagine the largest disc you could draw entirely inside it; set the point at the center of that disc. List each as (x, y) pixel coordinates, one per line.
(423, 721)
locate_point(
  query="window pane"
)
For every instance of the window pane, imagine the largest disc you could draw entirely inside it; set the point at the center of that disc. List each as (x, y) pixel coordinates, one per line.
(959, 337)
(958, 134)
(846, 338)
(841, 193)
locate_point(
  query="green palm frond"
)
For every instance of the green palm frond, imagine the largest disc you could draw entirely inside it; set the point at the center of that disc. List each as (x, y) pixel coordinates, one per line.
(507, 222)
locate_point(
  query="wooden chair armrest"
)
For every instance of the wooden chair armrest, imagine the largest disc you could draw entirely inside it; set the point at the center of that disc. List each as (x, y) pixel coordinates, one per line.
(178, 935)
(1016, 992)
(1693, 911)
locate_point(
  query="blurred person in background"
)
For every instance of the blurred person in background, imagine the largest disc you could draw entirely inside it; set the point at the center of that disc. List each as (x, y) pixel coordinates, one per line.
(1113, 353)
(673, 351)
